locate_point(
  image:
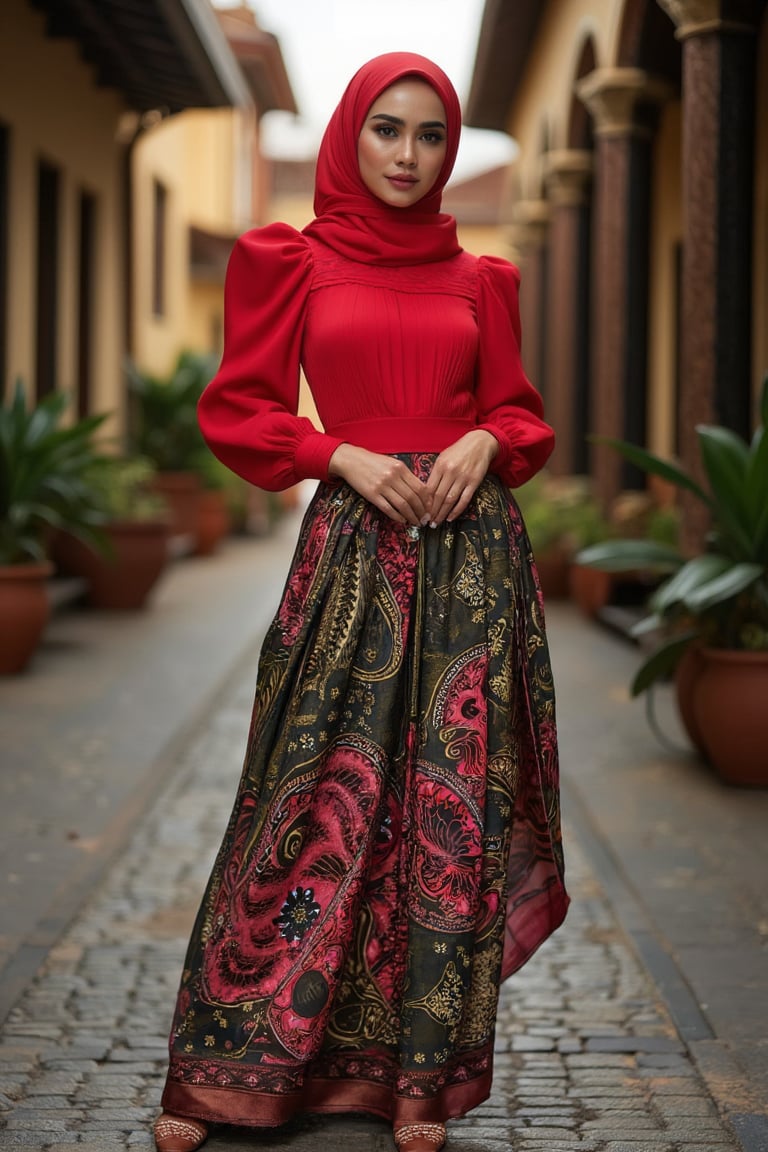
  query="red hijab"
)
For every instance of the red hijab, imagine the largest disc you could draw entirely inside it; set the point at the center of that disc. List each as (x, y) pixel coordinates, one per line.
(348, 217)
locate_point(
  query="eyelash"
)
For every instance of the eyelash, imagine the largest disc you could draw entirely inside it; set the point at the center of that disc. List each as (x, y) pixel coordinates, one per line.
(388, 131)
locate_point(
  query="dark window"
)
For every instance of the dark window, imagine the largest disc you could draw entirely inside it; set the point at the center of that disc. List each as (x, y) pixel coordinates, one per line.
(86, 297)
(48, 196)
(5, 214)
(159, 232)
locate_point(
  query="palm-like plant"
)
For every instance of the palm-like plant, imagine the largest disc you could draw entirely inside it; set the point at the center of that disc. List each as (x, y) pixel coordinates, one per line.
(164, 426)
(720, 597)
(45, 475)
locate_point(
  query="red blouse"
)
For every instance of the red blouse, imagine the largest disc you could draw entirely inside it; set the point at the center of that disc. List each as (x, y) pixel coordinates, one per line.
(398, 360)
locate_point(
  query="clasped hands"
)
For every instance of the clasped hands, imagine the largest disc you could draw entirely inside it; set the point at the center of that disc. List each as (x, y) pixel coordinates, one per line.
(390, 485)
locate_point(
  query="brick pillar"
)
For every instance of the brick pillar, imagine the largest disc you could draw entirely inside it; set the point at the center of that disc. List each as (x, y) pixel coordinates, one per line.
(567, 177)
(529, 240)
(719, 65)
(623, 103)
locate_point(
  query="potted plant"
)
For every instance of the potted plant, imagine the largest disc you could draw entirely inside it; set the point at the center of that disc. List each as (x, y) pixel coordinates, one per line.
(136, 530)
(46, 474)
(163, 428)
(632, 515)
(214, 518)
(712, 609)
(550, 506)
(589, 588)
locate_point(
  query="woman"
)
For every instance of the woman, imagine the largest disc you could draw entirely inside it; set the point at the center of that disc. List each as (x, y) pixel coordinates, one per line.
(394, 849)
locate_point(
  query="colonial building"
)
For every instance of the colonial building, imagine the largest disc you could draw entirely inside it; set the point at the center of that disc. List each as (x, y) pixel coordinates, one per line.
(640, 213)
(199, 180)
(76, 79)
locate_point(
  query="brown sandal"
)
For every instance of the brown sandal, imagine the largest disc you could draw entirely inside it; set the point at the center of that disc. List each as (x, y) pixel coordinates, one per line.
(420, 1137)
(179, 1133)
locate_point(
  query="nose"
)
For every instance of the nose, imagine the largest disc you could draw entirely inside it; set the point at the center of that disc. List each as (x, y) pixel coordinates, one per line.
(407, 152)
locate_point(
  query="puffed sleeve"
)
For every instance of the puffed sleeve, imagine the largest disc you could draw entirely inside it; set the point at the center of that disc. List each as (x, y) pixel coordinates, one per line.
(247, 413)
(508, 406)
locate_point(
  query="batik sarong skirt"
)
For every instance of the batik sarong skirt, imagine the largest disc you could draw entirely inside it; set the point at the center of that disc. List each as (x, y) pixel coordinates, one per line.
(394, 849)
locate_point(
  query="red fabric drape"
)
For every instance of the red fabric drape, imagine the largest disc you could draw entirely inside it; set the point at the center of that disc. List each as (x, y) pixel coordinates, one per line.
(349, 218)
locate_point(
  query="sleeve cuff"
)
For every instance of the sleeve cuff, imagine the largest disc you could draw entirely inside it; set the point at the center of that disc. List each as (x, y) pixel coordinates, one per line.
(503, 457)
(313, 455)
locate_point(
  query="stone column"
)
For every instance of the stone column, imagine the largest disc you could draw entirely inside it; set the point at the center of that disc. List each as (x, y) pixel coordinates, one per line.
(719, 65)
(568, 175)
(623, 104)
(529, 242)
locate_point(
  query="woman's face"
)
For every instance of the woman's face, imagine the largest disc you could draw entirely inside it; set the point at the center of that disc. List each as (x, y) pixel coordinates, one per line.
(402, 144)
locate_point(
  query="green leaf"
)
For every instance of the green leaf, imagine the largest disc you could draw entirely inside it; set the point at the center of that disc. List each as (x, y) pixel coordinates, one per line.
(693, 574)
(761, 534)
(629, 555)
(648, 462)
(44, 473)
(661, 662)
(726, 459)
(648, 624)
(757, 494)
(723, 588)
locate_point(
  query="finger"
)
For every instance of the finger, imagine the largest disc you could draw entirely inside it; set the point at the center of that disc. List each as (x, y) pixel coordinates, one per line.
(462, 503)
(398, 475)
(444, 504)
(449, 486)
(439, 478)
(389, 510)
(413, 491)
(407, 504)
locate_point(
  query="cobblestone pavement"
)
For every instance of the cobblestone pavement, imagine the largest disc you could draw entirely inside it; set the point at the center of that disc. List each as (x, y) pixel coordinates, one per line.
(588, 1058)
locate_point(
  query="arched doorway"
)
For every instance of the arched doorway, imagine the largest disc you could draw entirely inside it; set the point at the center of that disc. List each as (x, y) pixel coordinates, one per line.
(625, 102)
(568, 185)
(581, 140)
(647, 41)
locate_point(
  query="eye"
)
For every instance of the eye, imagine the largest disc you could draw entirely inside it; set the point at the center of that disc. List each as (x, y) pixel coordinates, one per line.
(386, 130)
(433, 137)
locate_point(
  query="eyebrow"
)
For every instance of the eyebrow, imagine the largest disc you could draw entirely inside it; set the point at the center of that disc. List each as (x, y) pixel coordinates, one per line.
(401, 123)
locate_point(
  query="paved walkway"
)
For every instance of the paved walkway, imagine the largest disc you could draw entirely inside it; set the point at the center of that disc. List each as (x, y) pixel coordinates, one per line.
(626, 1033)
(91, 731)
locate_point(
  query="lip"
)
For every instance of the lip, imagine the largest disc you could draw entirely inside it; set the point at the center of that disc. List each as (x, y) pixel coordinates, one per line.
(403, 182)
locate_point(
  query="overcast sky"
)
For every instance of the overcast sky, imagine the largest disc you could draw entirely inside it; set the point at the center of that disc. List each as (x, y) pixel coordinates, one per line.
(325, 41)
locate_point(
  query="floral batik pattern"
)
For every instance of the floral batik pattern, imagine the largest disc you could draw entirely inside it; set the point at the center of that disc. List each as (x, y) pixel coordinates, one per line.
(394, 849)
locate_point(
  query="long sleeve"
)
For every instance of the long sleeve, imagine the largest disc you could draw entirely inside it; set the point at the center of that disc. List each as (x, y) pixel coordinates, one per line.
(508, 406)
(247, 413)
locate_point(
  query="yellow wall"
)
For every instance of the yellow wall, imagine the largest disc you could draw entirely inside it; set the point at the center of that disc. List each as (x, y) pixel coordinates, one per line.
(159, 155)
(543, 102)
(666, 233)
(205, 317)
(294, 210)
(541, 113)
(484, 240)
(205, 160)
(55, 112)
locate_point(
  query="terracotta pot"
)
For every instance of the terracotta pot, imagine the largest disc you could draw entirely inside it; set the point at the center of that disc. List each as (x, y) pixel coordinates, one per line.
(552, 566)
(123, 579)
(213, 521)
(590, 588)
(687, 675)
(730, 707)
(289, 498)
(24, 612)
(181, 491)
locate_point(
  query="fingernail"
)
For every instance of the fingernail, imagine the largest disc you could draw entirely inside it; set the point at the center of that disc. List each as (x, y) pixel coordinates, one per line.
(432, 524)
(424, 521)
